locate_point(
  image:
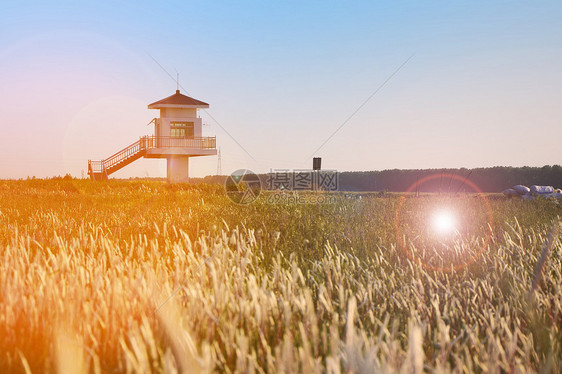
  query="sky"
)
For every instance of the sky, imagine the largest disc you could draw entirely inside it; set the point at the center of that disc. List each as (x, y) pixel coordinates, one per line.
(481, 87)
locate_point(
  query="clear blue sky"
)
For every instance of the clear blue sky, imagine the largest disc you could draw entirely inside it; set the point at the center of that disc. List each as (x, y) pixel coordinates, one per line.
(483, 88)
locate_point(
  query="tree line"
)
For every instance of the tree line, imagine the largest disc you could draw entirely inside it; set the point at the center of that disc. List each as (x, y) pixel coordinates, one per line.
(492, 179)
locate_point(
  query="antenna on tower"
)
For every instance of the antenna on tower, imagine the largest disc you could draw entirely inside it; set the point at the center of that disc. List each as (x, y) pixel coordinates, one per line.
(219, 163)
(177, 80)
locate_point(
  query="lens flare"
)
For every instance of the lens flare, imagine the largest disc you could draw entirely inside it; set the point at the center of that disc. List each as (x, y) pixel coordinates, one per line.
(403, 239)
(444, 222)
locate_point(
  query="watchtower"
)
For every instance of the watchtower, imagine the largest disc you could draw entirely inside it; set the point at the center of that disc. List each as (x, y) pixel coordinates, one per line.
(177, 137)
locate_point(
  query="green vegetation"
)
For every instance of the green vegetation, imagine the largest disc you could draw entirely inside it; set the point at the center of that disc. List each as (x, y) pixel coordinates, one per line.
(491, 179)
(149, 277)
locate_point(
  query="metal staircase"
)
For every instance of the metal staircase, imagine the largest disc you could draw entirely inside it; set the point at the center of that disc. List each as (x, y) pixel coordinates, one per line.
(100, 170)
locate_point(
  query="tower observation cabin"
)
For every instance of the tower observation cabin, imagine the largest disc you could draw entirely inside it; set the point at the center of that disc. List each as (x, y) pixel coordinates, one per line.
(177, 137)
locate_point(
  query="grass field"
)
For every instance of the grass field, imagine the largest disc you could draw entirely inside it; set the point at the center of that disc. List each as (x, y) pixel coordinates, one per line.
(149, 277)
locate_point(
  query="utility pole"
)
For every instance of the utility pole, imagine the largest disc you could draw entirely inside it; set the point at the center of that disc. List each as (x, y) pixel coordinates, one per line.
(219, 164)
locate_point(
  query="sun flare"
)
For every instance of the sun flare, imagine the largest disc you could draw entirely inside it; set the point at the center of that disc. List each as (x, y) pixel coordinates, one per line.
(444, 222)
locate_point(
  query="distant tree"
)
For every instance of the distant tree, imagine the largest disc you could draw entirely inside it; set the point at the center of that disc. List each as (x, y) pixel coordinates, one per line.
(493, 179)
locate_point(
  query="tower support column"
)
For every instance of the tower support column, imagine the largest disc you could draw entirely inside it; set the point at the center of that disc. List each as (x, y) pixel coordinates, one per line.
(178, 169)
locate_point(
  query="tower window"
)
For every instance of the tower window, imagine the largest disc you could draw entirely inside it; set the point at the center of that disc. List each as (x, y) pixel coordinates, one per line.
(181, 129)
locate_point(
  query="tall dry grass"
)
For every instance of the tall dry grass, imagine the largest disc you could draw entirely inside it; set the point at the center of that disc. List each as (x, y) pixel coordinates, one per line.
(87, 271)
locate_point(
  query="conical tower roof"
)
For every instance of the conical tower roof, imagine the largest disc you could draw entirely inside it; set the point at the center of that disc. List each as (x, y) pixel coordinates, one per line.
(178, 100)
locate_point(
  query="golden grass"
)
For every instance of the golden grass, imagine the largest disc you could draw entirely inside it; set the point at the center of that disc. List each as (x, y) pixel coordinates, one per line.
(145, 277)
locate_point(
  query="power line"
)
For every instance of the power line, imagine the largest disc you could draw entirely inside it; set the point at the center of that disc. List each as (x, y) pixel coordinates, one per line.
(213, 118)
(362, 105)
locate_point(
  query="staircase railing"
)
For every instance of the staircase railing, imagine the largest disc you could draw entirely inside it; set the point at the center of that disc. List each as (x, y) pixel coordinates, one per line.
(104, 167)
(95, 166)
(122, 155)
(151, 141)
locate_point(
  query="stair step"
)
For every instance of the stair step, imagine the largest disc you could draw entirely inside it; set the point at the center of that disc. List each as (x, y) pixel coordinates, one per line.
(122, 161)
